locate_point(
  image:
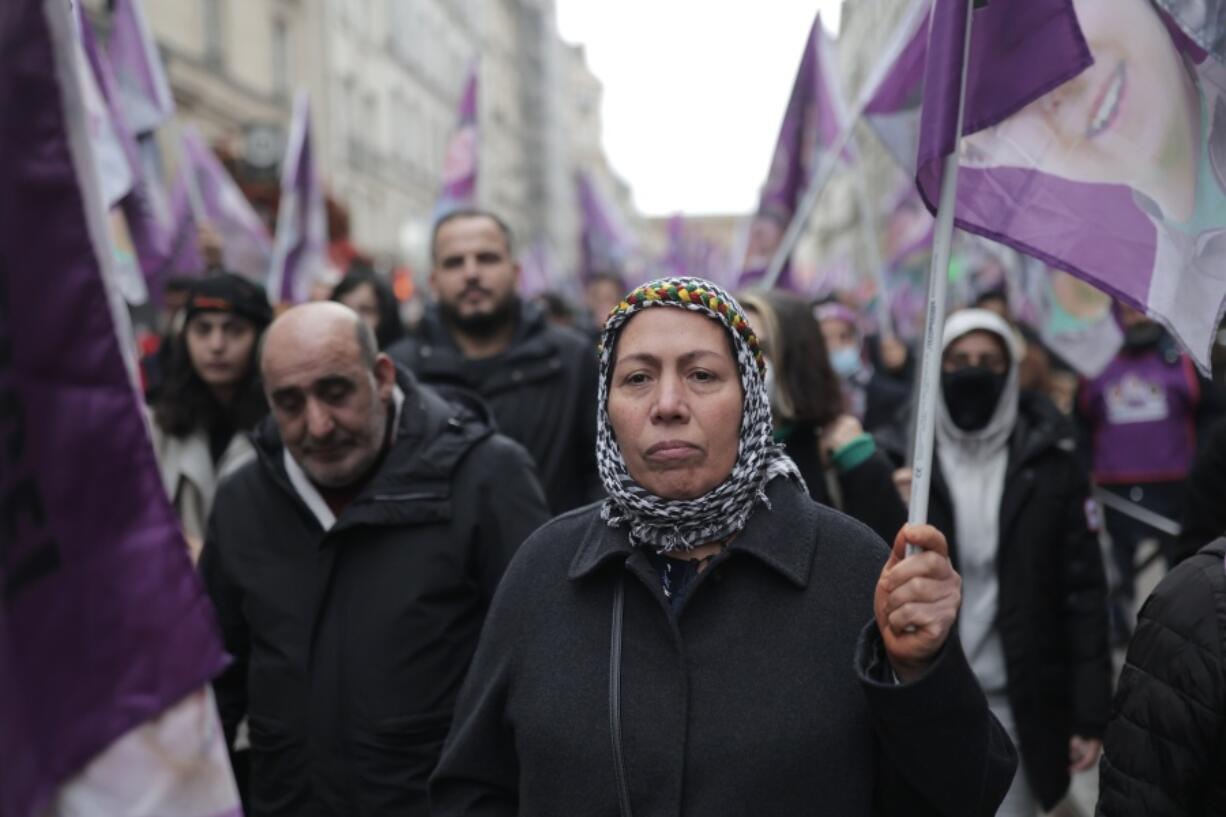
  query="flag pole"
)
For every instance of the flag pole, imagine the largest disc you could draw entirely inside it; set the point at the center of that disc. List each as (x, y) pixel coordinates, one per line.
(938, 280)
(800, 219)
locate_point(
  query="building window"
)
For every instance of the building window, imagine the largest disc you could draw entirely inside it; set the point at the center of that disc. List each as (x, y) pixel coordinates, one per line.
(214, 32)
(280, 58)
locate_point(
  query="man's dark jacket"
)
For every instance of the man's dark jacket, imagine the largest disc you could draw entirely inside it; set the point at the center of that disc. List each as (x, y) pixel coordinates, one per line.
(350, 645)
(1051, 612)
(766, 693)
(1165, 752)
(542, 392)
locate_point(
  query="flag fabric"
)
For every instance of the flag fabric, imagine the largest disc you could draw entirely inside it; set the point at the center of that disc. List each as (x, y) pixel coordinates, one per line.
(459, 182)
(1202, 20)
(104, 625)
(607, 241)
(144, 95)
(140, 241)
(144, 91)
(300, 245)
(247, 246)
(537, 272)
(893, 107)
(1115, 175)
(1073, 319)
(812, 124)
(688, 253)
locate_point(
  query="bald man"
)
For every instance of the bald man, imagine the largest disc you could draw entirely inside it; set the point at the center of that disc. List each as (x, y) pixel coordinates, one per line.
(351, 565)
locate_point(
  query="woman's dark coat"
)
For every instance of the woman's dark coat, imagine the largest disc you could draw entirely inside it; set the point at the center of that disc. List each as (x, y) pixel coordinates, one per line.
(766, 693)
(866, 492)
(1165, 752)
(1052, 606)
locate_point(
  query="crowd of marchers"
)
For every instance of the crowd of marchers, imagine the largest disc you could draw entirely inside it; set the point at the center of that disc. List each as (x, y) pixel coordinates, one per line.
(647, 555)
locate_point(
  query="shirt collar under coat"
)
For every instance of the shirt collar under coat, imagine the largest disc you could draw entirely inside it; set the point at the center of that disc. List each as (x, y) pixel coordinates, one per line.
(780, 536)
(996, 433)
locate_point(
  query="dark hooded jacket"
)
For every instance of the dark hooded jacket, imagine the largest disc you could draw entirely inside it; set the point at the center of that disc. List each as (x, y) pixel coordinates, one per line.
(766, 692)
(350, 644)
(1165, 750)
(1051, 612)
(542, 392)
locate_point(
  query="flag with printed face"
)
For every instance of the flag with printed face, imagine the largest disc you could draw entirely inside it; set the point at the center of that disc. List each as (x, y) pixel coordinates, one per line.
(459, 182)
(107, 639)
(300, 245)
(1116, 174)
(812, 124)
(246, 244)
(607, 241)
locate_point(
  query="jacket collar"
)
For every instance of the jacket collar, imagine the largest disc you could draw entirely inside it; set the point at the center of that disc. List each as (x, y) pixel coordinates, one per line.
(780, 536)
(306, 489)
(430, 437)
(530, 339)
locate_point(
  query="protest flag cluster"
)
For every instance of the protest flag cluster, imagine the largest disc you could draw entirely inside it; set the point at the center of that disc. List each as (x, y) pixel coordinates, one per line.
(107, 640)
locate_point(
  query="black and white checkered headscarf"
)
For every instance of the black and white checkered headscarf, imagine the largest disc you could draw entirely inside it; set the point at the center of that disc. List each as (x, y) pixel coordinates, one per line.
(683, 524)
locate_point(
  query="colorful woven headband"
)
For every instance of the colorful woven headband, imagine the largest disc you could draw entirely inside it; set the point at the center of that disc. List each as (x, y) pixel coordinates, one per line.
(690, 293)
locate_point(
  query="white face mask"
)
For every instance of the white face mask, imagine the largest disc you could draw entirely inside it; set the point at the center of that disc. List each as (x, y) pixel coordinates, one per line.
(845, 361)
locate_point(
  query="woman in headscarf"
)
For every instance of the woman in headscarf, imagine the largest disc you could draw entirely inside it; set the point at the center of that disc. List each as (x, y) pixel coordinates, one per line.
(1011, 495)
(838, 460)
(211, 396)
(704, 641)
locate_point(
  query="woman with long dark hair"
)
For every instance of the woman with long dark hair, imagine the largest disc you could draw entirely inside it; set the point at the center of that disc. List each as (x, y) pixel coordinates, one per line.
(210, 395)
(363, 291)
(837, 458)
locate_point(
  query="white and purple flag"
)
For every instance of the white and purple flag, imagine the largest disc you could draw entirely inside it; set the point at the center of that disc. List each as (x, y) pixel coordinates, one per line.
(299, 251)
(458, 188)
(144, 92)
(139, 237)
(144, 97)
(607, 240)
(246, 245)
(812, 124)
(107, 639)
(1114, 166)
(893, 108)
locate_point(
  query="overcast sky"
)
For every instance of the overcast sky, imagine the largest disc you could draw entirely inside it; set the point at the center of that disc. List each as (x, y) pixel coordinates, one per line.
(694, 91)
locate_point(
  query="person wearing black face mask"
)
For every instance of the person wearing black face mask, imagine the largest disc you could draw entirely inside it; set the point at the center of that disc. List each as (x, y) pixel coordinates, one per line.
(1013, 500)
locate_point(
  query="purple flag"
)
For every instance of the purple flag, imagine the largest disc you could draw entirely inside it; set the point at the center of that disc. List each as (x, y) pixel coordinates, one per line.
(893, 109)
(689, 253)
(537, 273)
(459, 182)
(812, 124)
(144, 92)
(246, 245)
(1116, 175)
(103, 622)
(607, 241)
(144, 96)
(300, 246)
(139, 237)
